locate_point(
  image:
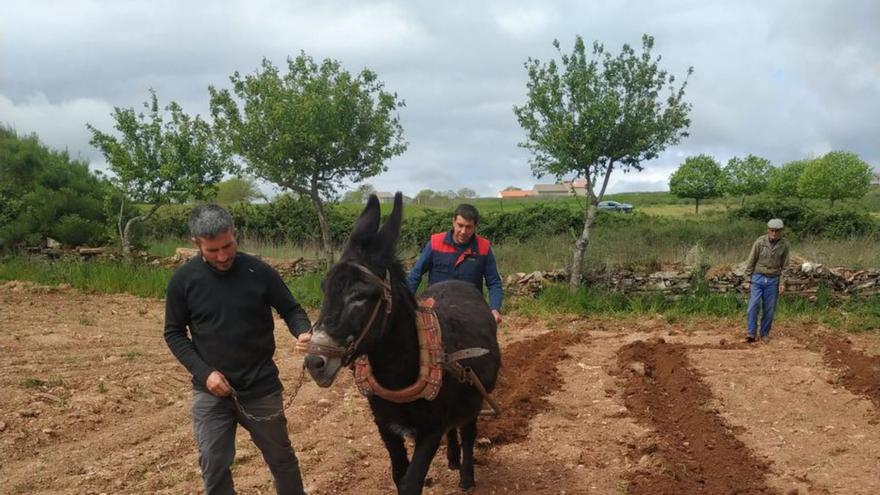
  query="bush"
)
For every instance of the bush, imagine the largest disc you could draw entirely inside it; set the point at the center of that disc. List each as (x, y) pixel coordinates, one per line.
(808, 222)
(74, 230)
(838, 225)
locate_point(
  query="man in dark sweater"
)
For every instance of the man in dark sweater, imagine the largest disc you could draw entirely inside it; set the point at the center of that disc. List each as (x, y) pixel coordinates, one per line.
(219, 325)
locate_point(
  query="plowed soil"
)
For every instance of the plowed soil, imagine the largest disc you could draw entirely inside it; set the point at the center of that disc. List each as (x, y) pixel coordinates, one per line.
(93, 402)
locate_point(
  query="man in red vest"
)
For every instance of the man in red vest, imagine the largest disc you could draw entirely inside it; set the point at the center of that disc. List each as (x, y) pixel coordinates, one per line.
(459, 254)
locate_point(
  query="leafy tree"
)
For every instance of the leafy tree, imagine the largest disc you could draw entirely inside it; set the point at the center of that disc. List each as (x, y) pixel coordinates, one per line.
(512, 188)
(360, 194)
(699, 177)
(746, 176)
(162, 157)
(588, 118)
(466, 193)
(310, 130)
(423, 196)
(238, 190)
(837, 175)
(783, 182)
(43, 193)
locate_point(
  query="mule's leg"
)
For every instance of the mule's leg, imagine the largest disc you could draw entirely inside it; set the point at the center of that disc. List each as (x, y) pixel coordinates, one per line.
(397, 453)
(453, 451)
(466, 473)
(427, 444)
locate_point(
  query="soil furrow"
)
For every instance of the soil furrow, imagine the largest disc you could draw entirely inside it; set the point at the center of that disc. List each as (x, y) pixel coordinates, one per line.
(694, 450)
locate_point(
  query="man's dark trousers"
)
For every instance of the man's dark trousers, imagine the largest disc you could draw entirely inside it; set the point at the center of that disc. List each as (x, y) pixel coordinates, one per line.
(214, 423)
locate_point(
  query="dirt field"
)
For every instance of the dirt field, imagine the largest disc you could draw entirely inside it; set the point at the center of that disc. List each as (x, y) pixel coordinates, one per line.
(94, 403)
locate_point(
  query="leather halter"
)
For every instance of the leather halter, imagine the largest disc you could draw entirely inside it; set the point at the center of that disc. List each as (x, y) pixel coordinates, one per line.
(346, 353)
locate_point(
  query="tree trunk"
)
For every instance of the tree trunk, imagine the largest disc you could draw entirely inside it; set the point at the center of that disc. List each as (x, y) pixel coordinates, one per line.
(326, 240)
(127, 231)
(580, 249)
(697, 203)
(580, 246)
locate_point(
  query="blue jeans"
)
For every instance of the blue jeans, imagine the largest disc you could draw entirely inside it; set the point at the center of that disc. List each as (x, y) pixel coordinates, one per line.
(214, 424)
(765, 290)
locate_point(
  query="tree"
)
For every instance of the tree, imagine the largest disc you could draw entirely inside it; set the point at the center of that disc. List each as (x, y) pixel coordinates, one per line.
(360, 194)
(746, 176)
(310, 130)
(423, 196)
(588, 118)
(466, 193)
(837, 175)
(44, 193)
(699, 177)
(162, 157)
(238, 190)
(783, 182)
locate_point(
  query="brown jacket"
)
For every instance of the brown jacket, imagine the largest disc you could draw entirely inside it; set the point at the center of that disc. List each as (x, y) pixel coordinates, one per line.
(766, 258)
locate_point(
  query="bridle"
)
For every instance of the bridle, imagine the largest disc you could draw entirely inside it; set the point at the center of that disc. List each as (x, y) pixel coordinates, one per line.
(347, 353)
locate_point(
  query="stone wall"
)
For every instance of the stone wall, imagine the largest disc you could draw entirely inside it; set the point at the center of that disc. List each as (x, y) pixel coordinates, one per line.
(801, 277)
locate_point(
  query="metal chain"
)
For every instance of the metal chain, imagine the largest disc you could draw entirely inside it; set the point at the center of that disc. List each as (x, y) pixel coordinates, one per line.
(280, 412)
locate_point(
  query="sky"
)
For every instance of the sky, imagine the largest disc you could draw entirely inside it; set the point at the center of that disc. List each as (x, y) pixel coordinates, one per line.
(784, 80)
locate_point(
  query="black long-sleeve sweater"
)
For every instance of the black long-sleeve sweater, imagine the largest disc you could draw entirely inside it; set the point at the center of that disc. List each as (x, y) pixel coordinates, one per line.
(229, 318)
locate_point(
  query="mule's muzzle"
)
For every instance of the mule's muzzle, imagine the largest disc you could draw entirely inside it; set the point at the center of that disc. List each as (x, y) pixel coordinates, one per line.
(322, 369)
(322, 364)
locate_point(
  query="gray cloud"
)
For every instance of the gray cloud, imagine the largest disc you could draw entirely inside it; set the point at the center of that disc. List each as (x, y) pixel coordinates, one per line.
(784, 80)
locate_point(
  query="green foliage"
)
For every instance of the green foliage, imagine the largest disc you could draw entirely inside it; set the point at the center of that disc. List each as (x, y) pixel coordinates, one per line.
(746, 176)
(158, 161)
(92, 276)
(699, 177)
(841, 224)
(835, 176)
(237, 190)
(590, 115)
(45, 193)
(585, 117)
(807, 221)
(310, 130)
(784, 180)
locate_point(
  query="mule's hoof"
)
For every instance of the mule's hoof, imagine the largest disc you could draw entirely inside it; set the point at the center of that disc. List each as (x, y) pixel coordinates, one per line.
(466, 486)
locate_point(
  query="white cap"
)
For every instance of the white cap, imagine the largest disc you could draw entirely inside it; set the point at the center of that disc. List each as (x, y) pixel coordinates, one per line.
(775, 223)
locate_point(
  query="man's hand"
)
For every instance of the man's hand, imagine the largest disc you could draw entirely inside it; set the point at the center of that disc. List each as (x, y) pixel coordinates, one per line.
(217, 385)
(781, 289)
(747, 285)
(302, 342)
(497, 316)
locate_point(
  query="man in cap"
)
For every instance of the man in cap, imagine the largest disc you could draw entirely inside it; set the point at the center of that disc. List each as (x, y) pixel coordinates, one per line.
(763, 275)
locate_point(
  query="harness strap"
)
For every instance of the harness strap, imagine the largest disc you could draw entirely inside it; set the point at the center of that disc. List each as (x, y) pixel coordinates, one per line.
(466, 375)
(466, 354)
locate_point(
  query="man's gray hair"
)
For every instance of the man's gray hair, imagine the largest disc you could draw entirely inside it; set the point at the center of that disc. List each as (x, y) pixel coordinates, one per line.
(209, 220)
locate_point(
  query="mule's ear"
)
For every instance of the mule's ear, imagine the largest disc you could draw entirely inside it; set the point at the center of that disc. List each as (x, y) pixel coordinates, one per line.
(390, 231)
(367, 224)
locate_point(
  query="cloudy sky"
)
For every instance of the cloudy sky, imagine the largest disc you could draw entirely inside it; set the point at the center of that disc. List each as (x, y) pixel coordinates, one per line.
(782, 79)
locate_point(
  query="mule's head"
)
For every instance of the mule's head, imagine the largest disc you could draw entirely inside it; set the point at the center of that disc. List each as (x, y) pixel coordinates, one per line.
(356, 294)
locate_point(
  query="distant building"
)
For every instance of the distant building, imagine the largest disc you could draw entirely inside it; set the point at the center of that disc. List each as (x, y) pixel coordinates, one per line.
(516, 193)
(576, 187)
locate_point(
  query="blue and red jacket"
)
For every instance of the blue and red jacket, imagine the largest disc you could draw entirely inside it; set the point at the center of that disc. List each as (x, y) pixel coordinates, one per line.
(443, 259)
